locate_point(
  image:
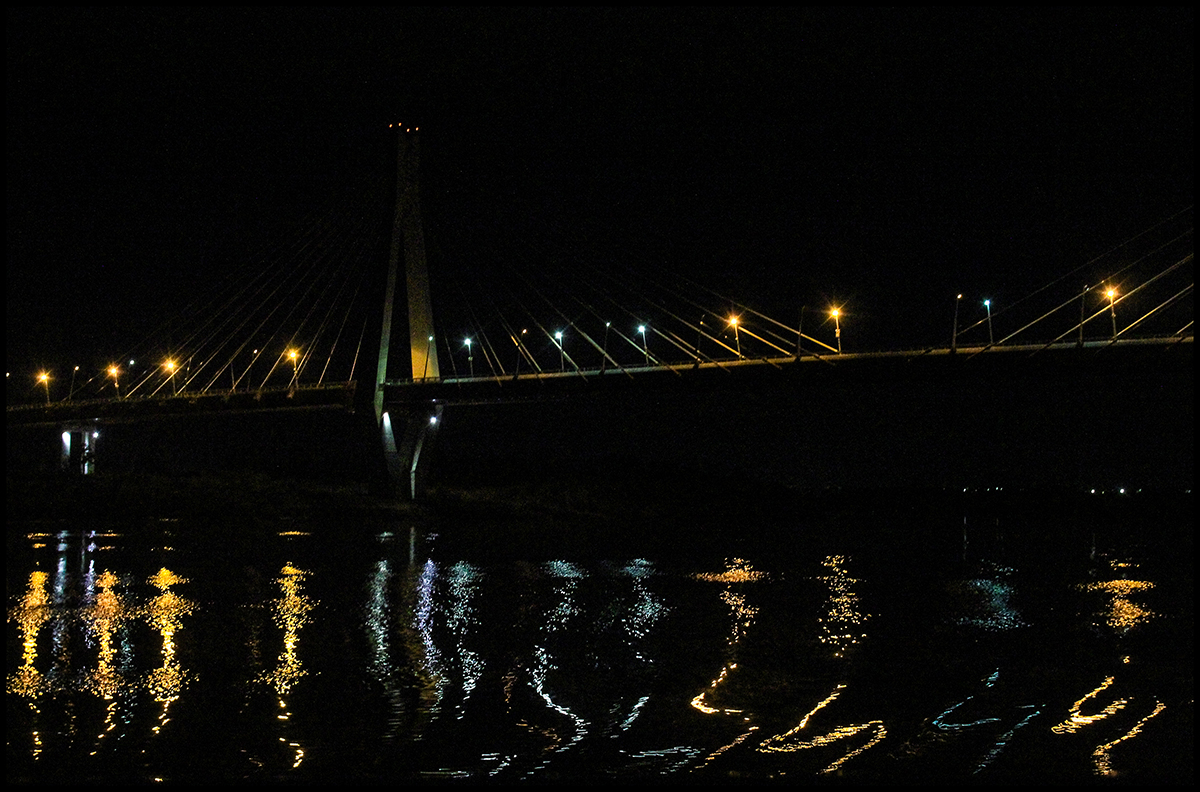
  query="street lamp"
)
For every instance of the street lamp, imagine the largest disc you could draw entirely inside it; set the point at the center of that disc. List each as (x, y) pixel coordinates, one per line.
(954, 335)
(837, 328)
(562, 365)
(294, 355)
(71, 394)
(1112, 310)
(733, 321)
(44, 378)
(517, 343)
(115, 373)
(604, 359)
(988, 304)
(170, 367)
(645, 349)
(470, 357)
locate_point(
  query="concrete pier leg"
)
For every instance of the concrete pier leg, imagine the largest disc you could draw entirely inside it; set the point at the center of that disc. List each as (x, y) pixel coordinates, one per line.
(408, 436)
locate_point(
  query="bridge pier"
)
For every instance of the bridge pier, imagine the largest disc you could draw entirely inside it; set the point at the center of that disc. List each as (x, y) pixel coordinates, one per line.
(408, 435)
(78, 448)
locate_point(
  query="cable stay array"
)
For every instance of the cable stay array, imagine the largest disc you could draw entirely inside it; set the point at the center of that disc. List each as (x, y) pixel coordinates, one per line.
(306, 312)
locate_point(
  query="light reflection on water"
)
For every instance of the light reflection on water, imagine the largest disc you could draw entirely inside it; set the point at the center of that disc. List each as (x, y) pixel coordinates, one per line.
(140, 659)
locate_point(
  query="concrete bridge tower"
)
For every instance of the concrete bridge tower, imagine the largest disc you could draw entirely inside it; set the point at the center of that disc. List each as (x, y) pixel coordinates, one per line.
(408, 431)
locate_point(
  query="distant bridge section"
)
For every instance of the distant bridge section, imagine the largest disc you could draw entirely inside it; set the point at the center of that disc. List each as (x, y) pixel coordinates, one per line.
(1154, 354)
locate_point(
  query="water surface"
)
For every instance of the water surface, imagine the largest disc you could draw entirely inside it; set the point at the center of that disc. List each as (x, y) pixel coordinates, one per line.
(356, 651)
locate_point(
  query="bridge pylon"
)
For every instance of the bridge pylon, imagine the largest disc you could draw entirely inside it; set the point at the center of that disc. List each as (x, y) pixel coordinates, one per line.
(407, 458)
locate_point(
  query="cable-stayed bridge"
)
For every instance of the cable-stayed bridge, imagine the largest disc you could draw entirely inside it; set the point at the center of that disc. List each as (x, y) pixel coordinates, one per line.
(320, 323)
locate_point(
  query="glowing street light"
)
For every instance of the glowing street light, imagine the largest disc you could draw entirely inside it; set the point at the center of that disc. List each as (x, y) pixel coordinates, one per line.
(733, 321)
(645, 349)
(44, 378)
(294, 356)
(170, 367)
(1112, 310)
(115, 373)
(562, 365)
(988, 304)
(837, 328)
(470, 356)
(71, 393)
(954, 336)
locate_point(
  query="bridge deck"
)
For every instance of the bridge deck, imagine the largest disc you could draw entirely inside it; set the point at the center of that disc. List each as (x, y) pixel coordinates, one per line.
(878, 366)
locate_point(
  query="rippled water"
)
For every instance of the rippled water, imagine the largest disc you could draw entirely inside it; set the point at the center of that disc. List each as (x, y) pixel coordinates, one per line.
(343, 652)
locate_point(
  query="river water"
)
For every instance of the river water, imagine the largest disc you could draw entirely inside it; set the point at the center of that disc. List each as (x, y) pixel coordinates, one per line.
(366, 650)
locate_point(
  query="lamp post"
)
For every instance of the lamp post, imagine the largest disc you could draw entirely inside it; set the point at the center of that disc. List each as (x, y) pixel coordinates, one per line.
(71, 393)
(115, 373)
(645, 349)
(517, 344)
(604, 358)
(562, 363)
(1112, 310)
(44, 378)
(954, 335)
(294, 355)
(170, 367)
(733, 321)
(988, 304)
(837, 328)
(470, 357)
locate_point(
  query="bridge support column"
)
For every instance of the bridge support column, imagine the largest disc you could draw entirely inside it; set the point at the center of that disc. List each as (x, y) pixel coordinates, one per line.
(79, 449)
(408, 436)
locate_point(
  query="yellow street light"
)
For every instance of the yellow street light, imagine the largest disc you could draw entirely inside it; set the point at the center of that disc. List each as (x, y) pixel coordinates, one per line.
(170, 366)
(1112, 310)
(294, 356)
(737, 340)
(44, 378)
(115, 373)
(837, 328)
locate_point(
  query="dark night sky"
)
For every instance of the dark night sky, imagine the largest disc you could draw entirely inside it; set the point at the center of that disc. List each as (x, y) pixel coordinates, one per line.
(884, 158)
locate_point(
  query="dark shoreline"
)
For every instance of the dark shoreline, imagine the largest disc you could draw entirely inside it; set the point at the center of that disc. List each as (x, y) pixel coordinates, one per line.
(598, 515)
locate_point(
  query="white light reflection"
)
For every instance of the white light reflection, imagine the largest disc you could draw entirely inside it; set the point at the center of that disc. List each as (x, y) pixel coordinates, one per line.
(987, 603)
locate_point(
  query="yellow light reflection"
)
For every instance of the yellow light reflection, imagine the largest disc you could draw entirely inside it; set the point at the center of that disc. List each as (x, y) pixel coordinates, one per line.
(30, 614)
(1101, 754)
(737, 571)
(742, 616)
(1122, 614)
(105, 616)
(787, 742)
(291, 613)
(165, 614)
(841, 626)
(1076, 720)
